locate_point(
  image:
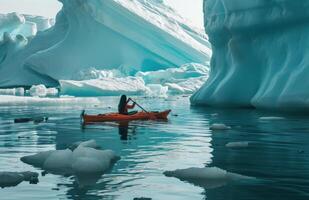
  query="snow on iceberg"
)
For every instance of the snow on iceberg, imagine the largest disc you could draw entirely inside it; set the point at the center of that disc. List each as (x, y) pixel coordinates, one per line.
(26, 25)
(103, 87)
(92, 82)
(141, 35)
(259, 54)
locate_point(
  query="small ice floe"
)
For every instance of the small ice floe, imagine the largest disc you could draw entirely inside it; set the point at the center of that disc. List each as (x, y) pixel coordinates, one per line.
(11, 179)
(42, 91)
(83, 161)
(208, 177)
(35, 120)
(219, 127)
(237, 145)
(271, 118)
(14, 91)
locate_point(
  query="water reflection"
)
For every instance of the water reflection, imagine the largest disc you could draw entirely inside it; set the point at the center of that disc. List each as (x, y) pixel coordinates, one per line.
(277, 154)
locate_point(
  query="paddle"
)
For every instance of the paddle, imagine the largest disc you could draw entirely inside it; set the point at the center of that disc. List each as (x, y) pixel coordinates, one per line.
(139, 105)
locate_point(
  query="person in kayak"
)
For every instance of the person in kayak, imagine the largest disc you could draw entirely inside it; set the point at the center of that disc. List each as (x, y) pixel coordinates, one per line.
(124, 106)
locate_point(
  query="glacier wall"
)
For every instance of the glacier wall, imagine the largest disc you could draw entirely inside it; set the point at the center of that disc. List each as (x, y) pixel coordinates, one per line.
(259, 54)
(140, 35)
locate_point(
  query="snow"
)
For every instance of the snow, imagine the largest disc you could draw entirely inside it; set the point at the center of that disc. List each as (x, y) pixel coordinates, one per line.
(83, 160)
(25, 25)
(252, 66)
(136, 35)
(208, 177)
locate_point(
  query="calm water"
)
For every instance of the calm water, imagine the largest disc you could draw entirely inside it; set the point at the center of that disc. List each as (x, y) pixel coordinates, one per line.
(278, 155)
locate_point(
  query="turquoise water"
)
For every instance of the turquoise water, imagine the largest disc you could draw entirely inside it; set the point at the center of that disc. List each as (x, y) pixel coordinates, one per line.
(278, 154)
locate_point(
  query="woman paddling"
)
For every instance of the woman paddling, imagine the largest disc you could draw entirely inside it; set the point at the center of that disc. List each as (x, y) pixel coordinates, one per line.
(124, 106)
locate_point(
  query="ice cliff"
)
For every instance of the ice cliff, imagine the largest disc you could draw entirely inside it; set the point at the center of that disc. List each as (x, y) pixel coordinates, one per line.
(139, 35)
(259, 54)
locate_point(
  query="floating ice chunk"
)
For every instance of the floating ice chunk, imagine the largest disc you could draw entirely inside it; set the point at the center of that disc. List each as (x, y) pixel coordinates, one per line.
(219, 127)
(101, 160)
(83, 161)
(237, 144)
(14, 92)
(38, 91)
(11, 179)
(38, 159)
(208, 178)
(6, 100)
(59, 162)
(271, 118)
(52, 92)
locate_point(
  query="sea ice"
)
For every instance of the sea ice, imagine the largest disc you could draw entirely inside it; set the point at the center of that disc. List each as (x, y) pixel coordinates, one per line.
(208, 177)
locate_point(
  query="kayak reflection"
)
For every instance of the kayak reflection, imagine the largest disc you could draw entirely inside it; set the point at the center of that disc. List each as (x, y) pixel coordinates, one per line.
(126, 131)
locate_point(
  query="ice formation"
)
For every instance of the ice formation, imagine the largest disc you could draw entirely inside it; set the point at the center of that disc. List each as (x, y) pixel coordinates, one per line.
(83, 160)
(93, 82)
(26, 25)
(259, 54)
(208, 177)
(138, 35)
(11, 179)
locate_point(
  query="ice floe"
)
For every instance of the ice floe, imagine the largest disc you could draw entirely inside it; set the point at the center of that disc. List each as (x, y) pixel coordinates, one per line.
(82, 161)
(11, 179)
(208, 177)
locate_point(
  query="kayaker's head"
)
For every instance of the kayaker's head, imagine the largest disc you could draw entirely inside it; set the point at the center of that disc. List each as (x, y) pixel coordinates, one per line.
(123, 99)
(122, 103)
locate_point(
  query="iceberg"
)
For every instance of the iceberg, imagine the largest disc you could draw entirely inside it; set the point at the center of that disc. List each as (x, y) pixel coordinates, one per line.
(138, 35)
(185, 79)
(259, 54)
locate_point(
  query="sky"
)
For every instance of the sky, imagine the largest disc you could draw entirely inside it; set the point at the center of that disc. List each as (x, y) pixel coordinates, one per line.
(190, 9)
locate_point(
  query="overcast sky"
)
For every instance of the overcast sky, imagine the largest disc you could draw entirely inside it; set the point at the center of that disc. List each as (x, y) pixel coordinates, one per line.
(191, 9)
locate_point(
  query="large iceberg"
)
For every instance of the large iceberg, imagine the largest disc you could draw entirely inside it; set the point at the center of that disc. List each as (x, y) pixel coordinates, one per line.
(140, 35)
(259, 54)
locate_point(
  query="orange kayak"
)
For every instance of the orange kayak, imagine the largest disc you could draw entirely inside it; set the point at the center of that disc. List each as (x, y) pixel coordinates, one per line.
(114, 117)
